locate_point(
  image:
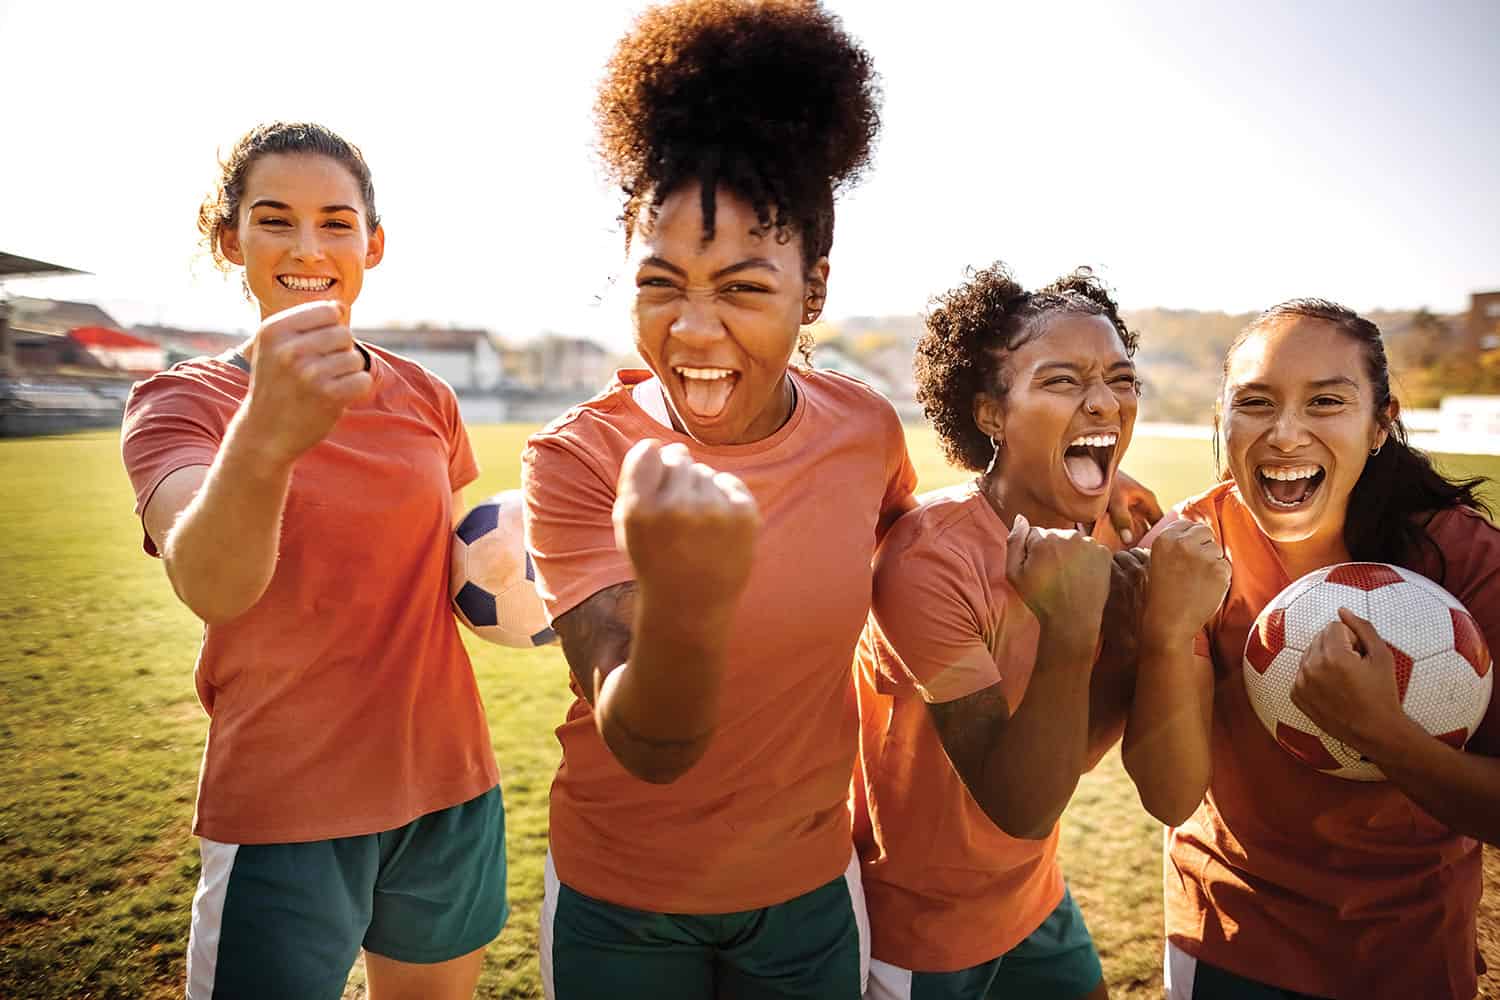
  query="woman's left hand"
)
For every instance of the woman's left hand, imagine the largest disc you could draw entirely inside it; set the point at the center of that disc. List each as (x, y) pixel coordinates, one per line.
(1347, 685)
(1133, 509)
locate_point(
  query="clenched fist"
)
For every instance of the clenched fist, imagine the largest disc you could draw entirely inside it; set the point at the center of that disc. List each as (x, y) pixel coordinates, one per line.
(689, 531)
(1062, 575)
(305, 369)
(1188, 579)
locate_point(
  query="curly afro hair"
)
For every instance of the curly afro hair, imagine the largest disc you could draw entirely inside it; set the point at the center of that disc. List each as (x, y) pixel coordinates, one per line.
(771, 99)
(972, 328)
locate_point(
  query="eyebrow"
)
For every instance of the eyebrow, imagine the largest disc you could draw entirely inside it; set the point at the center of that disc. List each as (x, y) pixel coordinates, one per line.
(1341, 381)
(284, 207)
(1073, 367)
(744, 265)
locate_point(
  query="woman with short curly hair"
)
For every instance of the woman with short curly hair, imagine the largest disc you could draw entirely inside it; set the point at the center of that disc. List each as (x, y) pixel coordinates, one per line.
(980, 699)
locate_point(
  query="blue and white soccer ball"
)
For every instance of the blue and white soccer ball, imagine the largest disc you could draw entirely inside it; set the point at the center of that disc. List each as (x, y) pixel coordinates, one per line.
(492, 581)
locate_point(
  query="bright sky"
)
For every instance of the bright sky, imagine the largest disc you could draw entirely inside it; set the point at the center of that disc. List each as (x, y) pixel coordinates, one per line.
(1214, 159)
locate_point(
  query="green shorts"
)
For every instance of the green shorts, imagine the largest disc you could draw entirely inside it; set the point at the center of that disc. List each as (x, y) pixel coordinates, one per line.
(288, 920)
(1057, 961)
(813, 947)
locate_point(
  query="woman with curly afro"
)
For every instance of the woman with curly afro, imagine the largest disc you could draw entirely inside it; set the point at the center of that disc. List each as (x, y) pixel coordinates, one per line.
(981, 701)
(702, 532)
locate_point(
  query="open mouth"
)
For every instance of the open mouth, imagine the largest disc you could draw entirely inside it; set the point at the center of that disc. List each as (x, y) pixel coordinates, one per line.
(298, 283)
(1088, 461)
(706, 391)
(1290, 487)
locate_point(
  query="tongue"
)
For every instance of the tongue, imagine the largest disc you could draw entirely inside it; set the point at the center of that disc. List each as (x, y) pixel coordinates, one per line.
(1084, 471)
(706, 398)
(1288, 490)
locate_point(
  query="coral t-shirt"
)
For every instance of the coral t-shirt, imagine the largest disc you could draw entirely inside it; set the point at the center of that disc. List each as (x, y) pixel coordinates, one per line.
(946, 889)
(763, 816)
(1313, 883)
(343, 701)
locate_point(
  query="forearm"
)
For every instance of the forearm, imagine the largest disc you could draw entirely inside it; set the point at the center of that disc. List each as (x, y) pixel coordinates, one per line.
(1167, 732)
(1034, 760)
(221, 550)
(1460, 790)
(657, 712)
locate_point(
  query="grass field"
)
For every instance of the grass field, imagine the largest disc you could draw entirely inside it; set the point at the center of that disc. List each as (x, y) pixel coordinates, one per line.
(100, 737)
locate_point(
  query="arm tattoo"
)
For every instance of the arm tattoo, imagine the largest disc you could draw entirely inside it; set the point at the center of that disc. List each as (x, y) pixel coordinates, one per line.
(596, 635)
(967, 727)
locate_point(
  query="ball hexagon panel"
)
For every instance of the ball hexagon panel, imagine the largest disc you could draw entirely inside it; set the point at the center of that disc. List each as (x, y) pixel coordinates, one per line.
(492, 578)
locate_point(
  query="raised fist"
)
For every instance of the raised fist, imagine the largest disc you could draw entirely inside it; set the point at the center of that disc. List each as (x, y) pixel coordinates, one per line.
(305, 369)
(689, 531)
(1188, 579)
(1062, 575)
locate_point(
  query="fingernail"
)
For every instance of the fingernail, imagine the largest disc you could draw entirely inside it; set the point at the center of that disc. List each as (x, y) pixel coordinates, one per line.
(1127, 536)
(1020, 523)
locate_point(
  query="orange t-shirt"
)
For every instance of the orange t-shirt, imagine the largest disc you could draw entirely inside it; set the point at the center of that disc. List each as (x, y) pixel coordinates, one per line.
(343, 701)
(946, 889)
(763, 816)
(1312, 883)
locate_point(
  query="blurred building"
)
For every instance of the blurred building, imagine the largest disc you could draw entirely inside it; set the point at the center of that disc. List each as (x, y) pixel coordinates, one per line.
(557, 363)
(1484, 320)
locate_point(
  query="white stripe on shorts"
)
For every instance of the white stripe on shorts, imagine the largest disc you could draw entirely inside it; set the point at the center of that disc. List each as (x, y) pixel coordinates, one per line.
(208, 917)
(888, 982)
(856, 886)
(545, 926)
(1179, 970)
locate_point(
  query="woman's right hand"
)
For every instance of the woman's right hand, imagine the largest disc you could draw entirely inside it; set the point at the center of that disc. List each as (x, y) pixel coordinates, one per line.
(689, 531)
(1062, 575)
(305, 369)
(1187, 582)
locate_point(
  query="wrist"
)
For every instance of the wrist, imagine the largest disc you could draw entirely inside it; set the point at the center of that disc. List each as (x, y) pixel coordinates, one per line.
(1392, 742)
(1162, 633)
(1069, 640)
(249, 453)
(694, 621)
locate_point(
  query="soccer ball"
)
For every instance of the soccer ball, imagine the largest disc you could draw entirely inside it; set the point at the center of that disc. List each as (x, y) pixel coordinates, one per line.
(1442, 663)
(491, 578)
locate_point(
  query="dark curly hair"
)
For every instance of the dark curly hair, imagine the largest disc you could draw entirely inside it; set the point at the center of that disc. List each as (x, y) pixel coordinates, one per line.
(970, 331)
(772, 100)
(220, 210)
(1399, 489)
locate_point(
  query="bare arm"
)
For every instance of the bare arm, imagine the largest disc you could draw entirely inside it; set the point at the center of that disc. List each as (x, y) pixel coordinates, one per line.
(1021, 768)
(197, 509)
(219, 529)
(650, 656)
(1168, 732)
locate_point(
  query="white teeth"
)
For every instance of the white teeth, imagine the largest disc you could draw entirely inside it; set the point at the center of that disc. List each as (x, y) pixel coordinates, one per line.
(708, 374)
(300, 284)
(1096, 441)
(1288, 475)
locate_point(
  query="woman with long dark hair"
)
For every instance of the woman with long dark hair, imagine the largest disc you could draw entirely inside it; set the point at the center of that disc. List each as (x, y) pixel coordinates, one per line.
(1286, 882)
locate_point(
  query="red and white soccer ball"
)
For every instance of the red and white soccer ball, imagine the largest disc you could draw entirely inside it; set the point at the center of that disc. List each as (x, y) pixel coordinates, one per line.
(491, 580)
(1442, 663)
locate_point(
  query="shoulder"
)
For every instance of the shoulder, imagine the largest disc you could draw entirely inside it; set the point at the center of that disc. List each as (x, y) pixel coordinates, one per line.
(844, 392)
(1469, 543)
(1209, 506)
(198, 385)
(416, 376)
(945, 530)
(597, 432)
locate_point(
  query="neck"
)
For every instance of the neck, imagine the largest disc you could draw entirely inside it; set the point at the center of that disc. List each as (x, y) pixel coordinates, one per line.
(1009, 503)
(1301, 558)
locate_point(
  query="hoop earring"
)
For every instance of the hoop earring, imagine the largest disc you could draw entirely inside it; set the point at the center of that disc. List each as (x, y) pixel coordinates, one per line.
(1376, 450)
(997, 444)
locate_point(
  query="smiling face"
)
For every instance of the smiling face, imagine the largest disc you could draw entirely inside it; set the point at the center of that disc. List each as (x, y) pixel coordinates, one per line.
(1065, 420)
(1299, 421)
(302, 233)
(717, 321)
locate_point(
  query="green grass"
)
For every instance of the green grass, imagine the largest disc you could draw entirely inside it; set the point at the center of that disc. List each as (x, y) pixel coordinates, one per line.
(101, 735)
